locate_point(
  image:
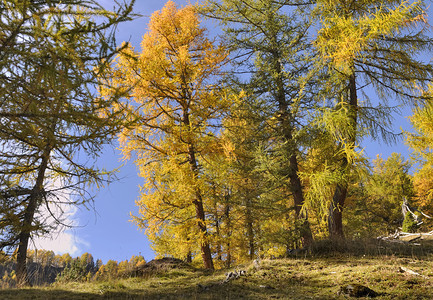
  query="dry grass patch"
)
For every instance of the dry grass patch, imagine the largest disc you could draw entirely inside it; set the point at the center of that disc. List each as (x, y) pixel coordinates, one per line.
(308, 276)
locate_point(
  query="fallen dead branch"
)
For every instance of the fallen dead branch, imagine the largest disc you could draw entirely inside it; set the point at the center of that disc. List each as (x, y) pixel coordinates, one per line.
(229, 277)
(411, 272)
(407, 237)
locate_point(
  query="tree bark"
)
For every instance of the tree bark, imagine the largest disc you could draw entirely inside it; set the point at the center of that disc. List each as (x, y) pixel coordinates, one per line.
(335, 218)
(229, 230)
(298, 196)
(200, 215)
(26, 228)
(250, 229)
(198, 201)
(293, 169)
(188, 257)
(205, 248)
(219, 249)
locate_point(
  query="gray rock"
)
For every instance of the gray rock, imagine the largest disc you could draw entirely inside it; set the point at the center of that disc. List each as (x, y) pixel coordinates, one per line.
(234, 275)
(357, 290)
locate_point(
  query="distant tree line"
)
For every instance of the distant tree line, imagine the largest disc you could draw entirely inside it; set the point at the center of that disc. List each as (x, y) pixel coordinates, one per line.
(45, 267)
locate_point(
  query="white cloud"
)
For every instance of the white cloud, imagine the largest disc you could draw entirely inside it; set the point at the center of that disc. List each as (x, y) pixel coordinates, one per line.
(63, 238)
(63, 242)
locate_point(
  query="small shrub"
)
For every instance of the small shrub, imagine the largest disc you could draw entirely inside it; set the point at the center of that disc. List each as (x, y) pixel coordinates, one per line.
(409, 223)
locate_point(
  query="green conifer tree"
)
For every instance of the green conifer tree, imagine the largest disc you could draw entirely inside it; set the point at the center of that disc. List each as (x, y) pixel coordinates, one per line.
(51, 53)
(366, 46)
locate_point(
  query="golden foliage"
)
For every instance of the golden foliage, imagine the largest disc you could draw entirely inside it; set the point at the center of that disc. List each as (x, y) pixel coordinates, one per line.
(344, 36)
(173, 97)
(421, 142)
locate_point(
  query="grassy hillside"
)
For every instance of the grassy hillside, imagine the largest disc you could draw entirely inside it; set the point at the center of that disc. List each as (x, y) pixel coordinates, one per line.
(306, 276)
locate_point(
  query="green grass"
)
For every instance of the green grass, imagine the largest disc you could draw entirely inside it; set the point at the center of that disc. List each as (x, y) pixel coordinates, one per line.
(310, 276)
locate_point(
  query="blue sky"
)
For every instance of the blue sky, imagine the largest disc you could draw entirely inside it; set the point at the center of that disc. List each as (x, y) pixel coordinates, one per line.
(107, 232)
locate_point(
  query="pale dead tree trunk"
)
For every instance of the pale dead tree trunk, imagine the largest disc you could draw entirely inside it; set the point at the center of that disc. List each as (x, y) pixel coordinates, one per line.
(406, 208)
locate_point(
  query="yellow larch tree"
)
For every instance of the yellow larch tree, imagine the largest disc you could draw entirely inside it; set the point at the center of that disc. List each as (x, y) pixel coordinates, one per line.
(173, 95)
(420, 141)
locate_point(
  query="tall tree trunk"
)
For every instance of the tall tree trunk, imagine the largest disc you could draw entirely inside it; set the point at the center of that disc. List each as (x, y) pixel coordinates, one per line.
(198, 201)
(335, 219)
(219, 250)
(229, 230)
(298, 196)
(292, 170)
(24, 236)
(200, 215)
(26, 228)
(219, 247)
(250, 229)
(205, 248)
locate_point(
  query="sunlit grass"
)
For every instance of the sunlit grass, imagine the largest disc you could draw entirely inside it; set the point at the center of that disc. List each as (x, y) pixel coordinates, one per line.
(309, 276)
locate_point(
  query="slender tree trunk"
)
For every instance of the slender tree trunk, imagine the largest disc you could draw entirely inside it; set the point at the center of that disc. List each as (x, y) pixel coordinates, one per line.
(229, 231)
(219, 247)
(298, 196)
(26, 227)
(205, 248)
(24, 237)
(218, 233)
(200, 215)
(335, 219)
(292, 171)
(229, 256)
(198, 201)
(250, 229)
(188, 257)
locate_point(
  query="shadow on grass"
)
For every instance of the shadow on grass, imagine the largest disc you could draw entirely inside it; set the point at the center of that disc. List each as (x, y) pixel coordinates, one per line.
(44, 294)
(369, 248)
(240, 289)
(317, 274)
